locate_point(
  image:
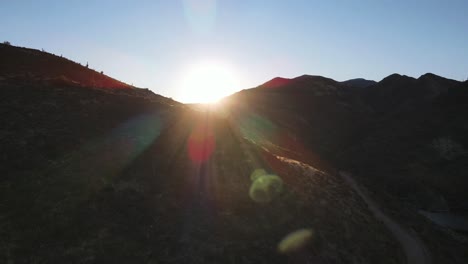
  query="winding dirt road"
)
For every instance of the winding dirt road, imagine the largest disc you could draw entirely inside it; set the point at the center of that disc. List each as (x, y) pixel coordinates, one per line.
(416, 252)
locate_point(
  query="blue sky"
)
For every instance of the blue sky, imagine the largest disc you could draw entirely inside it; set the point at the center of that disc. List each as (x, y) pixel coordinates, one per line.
(151, 43)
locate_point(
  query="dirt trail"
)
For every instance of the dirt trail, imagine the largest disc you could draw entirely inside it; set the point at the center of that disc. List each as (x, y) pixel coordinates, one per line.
(416, 252)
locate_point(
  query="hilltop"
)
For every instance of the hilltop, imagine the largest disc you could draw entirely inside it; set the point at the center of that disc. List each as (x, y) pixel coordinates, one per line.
(36, 66)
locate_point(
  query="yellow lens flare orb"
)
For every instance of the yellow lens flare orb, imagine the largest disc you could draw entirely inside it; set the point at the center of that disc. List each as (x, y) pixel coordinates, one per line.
(296, 241)
(207, 83)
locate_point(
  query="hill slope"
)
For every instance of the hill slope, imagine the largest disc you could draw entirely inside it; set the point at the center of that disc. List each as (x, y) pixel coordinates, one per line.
(42, 66)
(404, 138)
(51, 105)
(103, 175)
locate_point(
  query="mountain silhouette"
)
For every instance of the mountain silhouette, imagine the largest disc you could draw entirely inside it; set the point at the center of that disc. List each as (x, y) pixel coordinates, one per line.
(333, 119)
(359, 82)
(98, 171)
(276, 82)
(403, 138)
(51, 105)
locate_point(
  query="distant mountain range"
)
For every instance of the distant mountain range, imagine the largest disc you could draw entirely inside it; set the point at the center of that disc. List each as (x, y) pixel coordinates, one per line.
(98, 171)
(279, 81)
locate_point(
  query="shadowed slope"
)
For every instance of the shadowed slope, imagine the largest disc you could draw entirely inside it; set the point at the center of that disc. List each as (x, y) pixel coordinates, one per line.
(404, 138)
(51, 106)
(35, 65)
(95, 175)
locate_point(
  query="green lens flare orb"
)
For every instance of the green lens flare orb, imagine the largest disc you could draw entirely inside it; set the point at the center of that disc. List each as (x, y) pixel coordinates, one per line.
(257, 173)
(265, 188)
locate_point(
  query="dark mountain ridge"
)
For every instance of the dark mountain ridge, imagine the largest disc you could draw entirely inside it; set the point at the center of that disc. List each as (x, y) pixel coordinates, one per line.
(96, 171)
(404, 138)
(359, 82)
(276, 82)
(299, 81)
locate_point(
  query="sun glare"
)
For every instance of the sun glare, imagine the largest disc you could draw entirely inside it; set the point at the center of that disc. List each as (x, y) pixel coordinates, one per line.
(207, 83)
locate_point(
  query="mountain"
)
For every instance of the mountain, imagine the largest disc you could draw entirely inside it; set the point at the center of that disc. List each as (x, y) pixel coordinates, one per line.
(276, 82)
(359, 82)
(42, 66)
(403, 138)
(316, 109)
(332, 120)
(51, 105)
(296, 83)
(98, 171)
(102, 172)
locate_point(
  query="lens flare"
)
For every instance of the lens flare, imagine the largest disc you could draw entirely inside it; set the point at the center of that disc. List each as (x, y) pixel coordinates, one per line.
(102, 158)
(200, 15)
(201, 143)
(295, 241)
(257, 174)
(265, 188)
(257, 128)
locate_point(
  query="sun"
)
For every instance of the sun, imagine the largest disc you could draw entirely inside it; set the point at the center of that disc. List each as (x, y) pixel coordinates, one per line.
(207, 83)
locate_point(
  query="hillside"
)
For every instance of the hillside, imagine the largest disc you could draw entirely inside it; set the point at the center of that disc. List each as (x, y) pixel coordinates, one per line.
(51, 105)
(36, 65)
(404, 138)
(101, 174)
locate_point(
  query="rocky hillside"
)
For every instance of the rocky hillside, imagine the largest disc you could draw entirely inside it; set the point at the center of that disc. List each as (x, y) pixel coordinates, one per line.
(405, 138)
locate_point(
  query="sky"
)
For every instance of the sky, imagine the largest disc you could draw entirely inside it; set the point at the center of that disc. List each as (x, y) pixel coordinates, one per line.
(154, 43)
